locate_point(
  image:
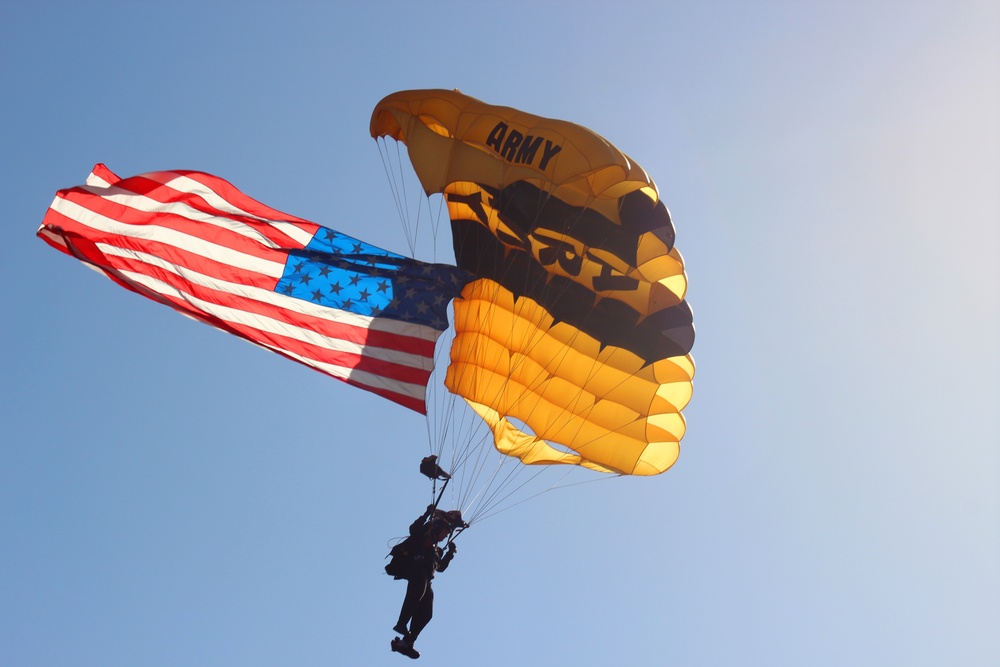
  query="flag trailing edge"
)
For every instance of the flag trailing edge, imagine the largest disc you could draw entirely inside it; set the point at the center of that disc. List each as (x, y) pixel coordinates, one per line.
(194, 242)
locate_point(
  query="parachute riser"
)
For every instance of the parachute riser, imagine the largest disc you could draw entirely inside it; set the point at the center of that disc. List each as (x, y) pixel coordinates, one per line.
(455, 533)
(441, 492)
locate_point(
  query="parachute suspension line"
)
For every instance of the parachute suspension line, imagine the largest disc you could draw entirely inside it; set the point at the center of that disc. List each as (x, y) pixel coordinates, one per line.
(437, 425)
(435, 226)
(496, 501)
(468, 447)
(494, 494)
(411, 234)
(472, 464)
(441, 403)
(457, 432)
(463, 442)
(410, 212)
(451, 434)
(451, 422)
(395, 187)
(475, 458)
(553, 487)
(488, 508)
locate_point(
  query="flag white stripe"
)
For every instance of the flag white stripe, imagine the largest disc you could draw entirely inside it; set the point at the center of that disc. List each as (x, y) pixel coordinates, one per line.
(97, 181)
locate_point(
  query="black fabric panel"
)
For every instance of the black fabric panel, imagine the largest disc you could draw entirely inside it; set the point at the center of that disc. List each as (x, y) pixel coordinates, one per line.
(667, 333)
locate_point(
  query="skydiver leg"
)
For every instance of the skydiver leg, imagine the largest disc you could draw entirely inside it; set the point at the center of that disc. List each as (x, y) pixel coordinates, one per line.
(415, 589)
(422, 614)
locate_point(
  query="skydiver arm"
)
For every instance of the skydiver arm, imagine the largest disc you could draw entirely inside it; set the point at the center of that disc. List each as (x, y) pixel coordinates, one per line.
(417, 527)
(443, 565)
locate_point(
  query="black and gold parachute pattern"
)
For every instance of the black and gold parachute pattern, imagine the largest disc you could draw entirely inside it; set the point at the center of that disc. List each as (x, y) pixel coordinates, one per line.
(573, 343)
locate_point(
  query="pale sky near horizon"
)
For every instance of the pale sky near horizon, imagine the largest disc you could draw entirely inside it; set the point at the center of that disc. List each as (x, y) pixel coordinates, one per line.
(170, 495)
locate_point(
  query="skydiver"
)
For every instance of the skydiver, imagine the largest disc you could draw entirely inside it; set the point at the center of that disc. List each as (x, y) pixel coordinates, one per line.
(422, 557)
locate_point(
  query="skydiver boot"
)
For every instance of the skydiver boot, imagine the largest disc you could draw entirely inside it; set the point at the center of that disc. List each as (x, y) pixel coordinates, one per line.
(402, 645)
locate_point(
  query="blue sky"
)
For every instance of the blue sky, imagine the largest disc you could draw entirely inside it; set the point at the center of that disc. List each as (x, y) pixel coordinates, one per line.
(170, 495)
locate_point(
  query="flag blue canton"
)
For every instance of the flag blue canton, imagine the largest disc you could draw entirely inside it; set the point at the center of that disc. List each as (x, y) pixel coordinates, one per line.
(338, 271)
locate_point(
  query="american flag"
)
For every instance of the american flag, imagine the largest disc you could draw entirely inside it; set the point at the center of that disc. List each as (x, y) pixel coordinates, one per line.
(194, 242)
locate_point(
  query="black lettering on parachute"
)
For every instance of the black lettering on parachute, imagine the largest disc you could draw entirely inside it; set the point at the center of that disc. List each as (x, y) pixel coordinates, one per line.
(515, 147)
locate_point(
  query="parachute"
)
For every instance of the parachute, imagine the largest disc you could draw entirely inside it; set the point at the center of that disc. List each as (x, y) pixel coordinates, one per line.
(573, 340)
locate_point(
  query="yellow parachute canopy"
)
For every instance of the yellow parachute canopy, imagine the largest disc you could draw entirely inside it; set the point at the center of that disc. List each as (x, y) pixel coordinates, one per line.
(573, 343)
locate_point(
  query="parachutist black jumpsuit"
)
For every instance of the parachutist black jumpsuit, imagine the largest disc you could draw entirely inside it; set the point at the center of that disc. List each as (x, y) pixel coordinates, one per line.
(418, 604)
